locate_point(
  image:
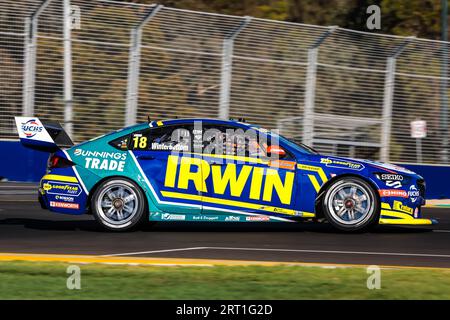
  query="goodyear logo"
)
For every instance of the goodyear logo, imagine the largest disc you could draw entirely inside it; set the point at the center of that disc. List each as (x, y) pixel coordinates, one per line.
(263, 182)
(337, 163)
(64, 189)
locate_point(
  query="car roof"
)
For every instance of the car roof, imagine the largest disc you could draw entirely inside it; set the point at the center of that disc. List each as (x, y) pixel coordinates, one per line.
(207, 120)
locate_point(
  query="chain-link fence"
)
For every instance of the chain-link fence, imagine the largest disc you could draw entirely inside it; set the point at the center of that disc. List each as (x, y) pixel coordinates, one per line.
(113, 63)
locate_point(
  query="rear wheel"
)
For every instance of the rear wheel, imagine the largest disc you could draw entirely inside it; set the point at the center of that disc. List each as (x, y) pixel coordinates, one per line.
(351, 204)
(118, 204)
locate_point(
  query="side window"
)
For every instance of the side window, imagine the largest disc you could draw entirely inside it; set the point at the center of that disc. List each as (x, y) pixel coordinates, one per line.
(120, 143)
(171, 138)
(227, 140)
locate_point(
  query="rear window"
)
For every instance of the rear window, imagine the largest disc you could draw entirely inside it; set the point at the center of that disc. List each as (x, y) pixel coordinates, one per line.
(120, 143)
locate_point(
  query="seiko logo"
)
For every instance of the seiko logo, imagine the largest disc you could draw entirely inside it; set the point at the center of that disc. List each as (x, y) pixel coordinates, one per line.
(391, 177)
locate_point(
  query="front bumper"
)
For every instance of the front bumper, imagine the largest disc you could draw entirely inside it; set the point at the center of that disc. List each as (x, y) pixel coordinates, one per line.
(400, 214)
(410, 222)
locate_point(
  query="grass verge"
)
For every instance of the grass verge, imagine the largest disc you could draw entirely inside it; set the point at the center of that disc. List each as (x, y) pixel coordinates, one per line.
(44, 280)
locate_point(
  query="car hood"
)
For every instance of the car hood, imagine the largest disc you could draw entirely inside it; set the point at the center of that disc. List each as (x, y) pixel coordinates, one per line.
(366, 163)
(388, 166)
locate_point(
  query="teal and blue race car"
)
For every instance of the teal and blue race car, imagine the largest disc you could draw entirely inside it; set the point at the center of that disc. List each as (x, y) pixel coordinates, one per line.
(216, 170)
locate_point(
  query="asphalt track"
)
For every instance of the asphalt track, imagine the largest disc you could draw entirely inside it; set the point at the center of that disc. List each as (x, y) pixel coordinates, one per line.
(26, 228)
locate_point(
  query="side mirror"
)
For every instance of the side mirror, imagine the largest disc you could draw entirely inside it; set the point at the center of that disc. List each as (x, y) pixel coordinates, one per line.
(275, 150)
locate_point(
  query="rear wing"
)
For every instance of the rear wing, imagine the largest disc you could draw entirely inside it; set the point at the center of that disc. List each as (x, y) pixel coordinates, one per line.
(42, 135)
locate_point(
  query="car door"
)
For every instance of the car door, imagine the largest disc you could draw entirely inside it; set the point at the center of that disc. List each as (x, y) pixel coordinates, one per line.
(164, 154)
(242, 178)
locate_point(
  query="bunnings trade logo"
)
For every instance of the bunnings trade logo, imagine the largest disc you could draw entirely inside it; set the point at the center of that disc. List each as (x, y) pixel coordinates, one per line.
(31, 128)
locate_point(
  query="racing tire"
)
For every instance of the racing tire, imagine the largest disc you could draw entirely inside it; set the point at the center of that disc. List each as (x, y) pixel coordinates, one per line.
(351, 204)
(118, 204)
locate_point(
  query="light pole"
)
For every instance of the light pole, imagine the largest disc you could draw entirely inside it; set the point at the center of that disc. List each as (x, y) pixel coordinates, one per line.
(444, 74)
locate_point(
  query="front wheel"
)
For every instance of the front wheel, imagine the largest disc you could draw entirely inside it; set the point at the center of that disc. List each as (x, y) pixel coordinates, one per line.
(351, 204)
(118, 204)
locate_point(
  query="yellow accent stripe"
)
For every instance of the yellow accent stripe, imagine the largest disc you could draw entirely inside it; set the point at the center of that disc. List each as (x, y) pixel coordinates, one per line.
(385, 205)
(56, 177)
(406, 221)
(233, 203)
(308, 214)
(396, 214)
(319, 170)
(178, 261)
(314, 182)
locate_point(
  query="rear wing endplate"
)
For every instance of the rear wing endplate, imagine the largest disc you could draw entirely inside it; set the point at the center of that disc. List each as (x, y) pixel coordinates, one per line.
(42, 135)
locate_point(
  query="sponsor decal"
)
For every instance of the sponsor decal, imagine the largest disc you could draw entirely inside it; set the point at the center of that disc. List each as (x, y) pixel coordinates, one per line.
(262, 183)
(345, 164)
(112, 161)
(232, 218)
(257, 218)
(393, 193)
(64, 205)
(283, 164)
(170, 216)
(65, 198)
(31, 128)
(401, 207)
(390, 177)
(394, 184)
(62, 188)
(276, 210)
(161, 146)
(413, 193)
(205, 218)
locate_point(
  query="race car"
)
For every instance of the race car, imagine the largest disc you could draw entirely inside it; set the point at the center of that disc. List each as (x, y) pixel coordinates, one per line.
(216, 170)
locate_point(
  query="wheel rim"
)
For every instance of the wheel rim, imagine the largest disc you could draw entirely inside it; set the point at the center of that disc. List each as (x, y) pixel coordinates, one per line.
(117, 204)
(350, 203)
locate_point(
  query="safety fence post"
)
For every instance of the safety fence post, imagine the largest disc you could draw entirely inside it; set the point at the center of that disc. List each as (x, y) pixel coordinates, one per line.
(310, 88)
(389, 84)
(68, 97)
(226, 70)
(29, 66)
(134, 67)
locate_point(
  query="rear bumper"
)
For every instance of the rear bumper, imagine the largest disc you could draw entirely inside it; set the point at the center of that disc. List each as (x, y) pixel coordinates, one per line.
(62, 194)
(41, 200)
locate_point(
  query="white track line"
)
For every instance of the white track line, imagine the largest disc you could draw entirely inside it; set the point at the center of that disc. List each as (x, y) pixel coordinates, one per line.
(154, 251)
(288, 250)
(446, 231)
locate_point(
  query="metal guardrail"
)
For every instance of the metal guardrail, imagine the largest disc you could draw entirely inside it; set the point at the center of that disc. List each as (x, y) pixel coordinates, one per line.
(113, 63)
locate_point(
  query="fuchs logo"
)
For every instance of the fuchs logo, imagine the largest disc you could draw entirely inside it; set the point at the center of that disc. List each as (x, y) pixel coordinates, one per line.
(31, 128)
(413, 193)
